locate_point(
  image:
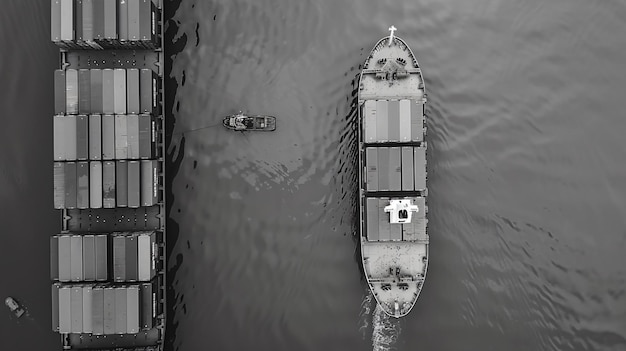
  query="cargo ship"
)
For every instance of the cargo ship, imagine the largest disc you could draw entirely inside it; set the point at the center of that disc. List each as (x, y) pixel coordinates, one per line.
(108, 261)
(392, 175)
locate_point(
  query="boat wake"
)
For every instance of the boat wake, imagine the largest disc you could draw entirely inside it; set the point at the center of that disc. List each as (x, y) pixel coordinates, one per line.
(384, 329)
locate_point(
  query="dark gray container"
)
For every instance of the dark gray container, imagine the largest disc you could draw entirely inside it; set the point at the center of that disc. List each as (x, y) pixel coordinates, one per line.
(59, 185)
(132, 90)
(108, 184)
(88, 25)
(70, 137)
(119, 258)
(121, 137)
(70, 185)
(119, 96)
(97, 311)
(120, 310)
(148, 300)
(76, 309)
(95, 184)
(147, 137)
(101, 254)
(60, 100)
(147, 23)
(149, 182)
(78, 23)
(95, 137)
(121, 183)
(132, 309)
(71, 91)
(65, 258)
(133, 20)
(148, 89)
(58, 130)
(84, 91)
(108, 93)
(76, 253)
(131, 258)
(109, 311)
(55, 307)
(395, 169)
(132, 132)
(82, 137)
(134, 187)
(88, 309)
(96, 91)
(110, 20)
(89, 257)
(371, 159)
(54, 258)
(65, 317)
(98, 19)
(82, 175)
(55, 28)
(122, 21)
(108, 137)
(407, 168)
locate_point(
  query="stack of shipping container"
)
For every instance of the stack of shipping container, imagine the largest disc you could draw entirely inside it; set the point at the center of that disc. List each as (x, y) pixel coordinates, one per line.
(108, 280)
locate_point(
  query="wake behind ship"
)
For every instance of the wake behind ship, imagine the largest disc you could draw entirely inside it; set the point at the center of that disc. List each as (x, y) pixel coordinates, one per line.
(392, 177)
(108, 261)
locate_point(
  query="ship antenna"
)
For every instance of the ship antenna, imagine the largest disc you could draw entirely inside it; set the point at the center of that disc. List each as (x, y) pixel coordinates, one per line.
(392, 29)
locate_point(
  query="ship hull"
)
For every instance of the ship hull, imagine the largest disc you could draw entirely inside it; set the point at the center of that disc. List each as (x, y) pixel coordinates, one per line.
(392, 176)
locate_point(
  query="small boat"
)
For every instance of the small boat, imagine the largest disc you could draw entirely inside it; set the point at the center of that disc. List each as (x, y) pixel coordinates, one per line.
(14, 306)
(242, 122)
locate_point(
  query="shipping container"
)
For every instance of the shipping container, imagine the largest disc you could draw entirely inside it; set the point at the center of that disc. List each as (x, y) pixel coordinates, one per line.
(54, 257)
(58, 128)
(59, 185)
(82, 137)
(405, 120)
(96, 91)
(383, 168)
(369, 122)
(67, 20)
(98, 19)
(101, 257)
(82, 175)
(371, 162)
(108, 137)
(70, 137)
(89, 258)
(147, 137)
(147, 23)
(84, 91)
(148, 301)
(88, 22)
(110, 20)
(121, 183)
(95, 137)
(417, 121)
(55, 28)
(76, 253)
(97, 311)
(65, 317)
(95, 184)
(87, 309)
(60, 100)
(419, 161)
(149, 182)
(148, 89)
(71, 91)
(76, 309)
(122, 20)
(109, 311)
(134, 180)
(65, 258)
(108, 91)
(119, 82)
(394, 120)
(372, 219)
(121, 137)
(132, 133)
(78, 23)
(132, 89)
(131, 258)
(132, 309)
(120, 310)
(119, 258)
(133, 20)
(70, 185)
(383, 226)
(146, 253)
(382, 120)
(108, 184)
(395, 169)
(55, 307)
(407, 168)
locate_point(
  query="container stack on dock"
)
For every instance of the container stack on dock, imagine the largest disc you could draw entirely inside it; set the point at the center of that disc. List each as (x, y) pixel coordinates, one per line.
(108, 261)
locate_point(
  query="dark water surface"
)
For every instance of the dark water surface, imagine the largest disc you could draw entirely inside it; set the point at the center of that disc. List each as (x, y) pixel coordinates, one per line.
(527, 175)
